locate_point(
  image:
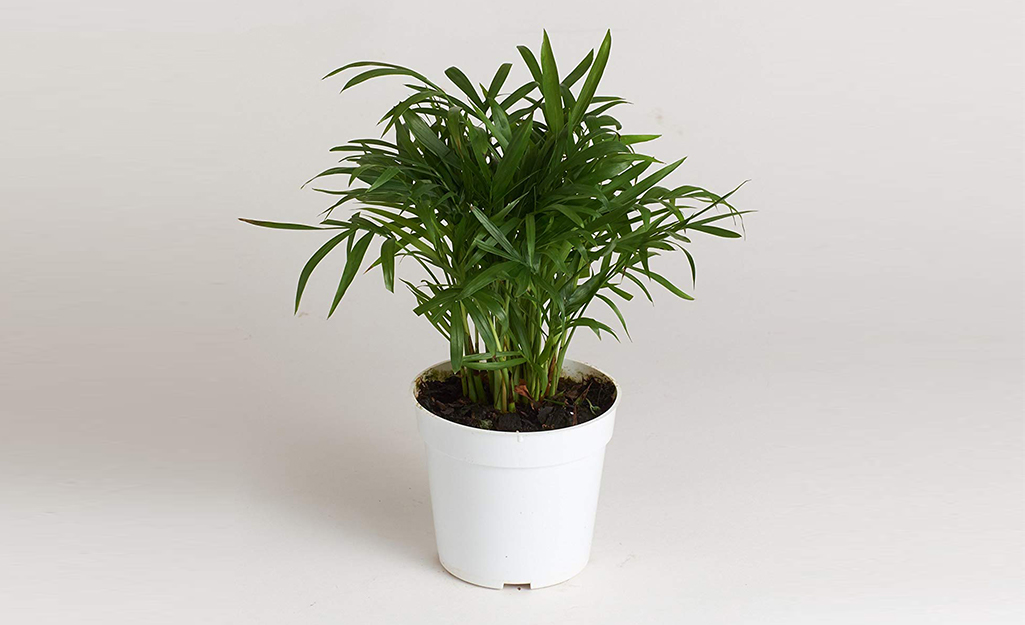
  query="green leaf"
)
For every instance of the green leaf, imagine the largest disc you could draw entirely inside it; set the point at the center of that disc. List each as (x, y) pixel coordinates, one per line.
(715, 231)
(490, 355)
(594, 324)
(510, 163)
(352, 263)
(396, 111)
(331, 172)
(550, 87)
(578, 71)
(493, 230)
(591, 82)
(385, 176)
(732, 214)
(399, 68)
(640, 285)
(518, 95)
(499, 80)
(634, 139)
(501, 123)
(457, 340)
(388, 263)
(568, 212)
(615, 309)
(494, 366)
(531, 61)
(630, 194)
(582, 294)
(373, 73)
(425, 135)
(531, 234)
(626, 295)
(312, 263)
(485, 278)
(672, 288)
(280, 225)
(460, 80)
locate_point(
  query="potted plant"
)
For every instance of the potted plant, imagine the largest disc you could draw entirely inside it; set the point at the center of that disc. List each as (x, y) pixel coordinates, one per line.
(520, 209)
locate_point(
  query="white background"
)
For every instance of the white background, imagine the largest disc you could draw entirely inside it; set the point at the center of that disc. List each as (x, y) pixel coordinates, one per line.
(830, 433)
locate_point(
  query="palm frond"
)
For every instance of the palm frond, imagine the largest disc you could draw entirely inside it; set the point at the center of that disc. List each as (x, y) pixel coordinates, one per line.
(522, 208)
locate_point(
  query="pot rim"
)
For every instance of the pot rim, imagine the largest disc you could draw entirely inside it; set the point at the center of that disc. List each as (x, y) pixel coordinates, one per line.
(577, 428)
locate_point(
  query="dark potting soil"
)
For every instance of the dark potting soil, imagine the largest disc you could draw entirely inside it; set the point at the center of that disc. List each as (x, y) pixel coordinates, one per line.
(578, 401)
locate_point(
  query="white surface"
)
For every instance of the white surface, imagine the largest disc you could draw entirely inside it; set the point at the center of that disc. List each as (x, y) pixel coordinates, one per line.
(830, 433)
(514, 507)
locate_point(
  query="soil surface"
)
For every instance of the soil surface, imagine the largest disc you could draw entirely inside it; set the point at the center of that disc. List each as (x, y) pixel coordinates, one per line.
(578, 401)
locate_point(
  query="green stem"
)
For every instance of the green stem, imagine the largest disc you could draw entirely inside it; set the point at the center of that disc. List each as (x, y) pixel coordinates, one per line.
(478, 389)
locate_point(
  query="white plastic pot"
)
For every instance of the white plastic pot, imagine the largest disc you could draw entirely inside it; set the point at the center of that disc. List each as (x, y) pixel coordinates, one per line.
(512, 507)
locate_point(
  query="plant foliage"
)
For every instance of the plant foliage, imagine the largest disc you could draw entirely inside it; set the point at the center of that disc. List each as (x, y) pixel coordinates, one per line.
(524, 207)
